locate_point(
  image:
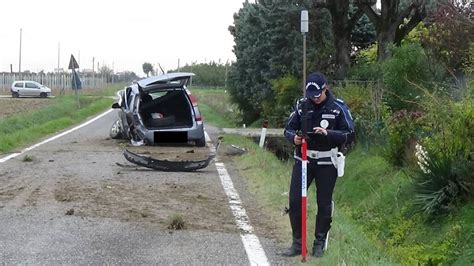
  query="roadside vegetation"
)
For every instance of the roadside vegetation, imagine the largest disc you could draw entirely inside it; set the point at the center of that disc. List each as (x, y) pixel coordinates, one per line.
(376, 221)
(268, 179)
(22, 128)
(409, 180)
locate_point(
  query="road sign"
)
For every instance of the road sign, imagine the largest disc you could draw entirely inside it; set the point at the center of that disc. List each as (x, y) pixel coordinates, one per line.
(73, 63)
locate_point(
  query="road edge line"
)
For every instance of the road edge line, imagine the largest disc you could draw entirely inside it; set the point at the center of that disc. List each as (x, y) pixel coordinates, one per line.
(255, 252)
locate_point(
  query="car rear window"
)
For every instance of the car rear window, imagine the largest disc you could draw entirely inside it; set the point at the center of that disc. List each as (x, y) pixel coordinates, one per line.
(19, 84)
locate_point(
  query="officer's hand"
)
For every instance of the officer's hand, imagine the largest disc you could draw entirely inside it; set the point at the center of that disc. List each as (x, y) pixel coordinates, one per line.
(320, 130)
(297, 140)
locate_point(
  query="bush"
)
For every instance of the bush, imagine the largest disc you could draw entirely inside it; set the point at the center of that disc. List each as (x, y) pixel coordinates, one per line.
(445, 177)
(366, 67)
(367, 109)
(404, 129)
(286, 90)
(441, 183)
(408, 65)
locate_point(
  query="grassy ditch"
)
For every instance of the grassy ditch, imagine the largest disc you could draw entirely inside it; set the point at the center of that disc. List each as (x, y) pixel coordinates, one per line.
(375, 222)
(62, 112)
(380, 198)
(268, 178)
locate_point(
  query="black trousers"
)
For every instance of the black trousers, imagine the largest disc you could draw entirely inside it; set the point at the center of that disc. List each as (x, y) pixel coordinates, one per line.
(325, 178)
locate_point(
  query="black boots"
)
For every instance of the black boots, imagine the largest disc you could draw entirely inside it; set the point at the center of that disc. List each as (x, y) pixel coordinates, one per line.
(323, 224)
(294, 250)
(319, 245)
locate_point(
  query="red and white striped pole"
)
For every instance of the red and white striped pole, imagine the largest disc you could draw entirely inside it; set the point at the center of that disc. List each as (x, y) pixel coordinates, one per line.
(304, 171)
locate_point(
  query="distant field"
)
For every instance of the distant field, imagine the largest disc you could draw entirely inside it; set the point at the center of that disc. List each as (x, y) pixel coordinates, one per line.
(12, 106)
(24, 120)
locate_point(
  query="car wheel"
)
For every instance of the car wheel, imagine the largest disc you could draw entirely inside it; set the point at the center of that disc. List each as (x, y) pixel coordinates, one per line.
(43, 95)
(116, 130)
(201, 142)
(15, 94)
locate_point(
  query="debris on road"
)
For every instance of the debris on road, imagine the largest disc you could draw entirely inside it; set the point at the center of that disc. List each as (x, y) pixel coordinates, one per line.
(165, 165)
(182, 161)
(235, 150)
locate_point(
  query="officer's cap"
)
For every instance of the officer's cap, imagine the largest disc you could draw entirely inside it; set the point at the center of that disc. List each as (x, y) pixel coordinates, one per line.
(315, 84)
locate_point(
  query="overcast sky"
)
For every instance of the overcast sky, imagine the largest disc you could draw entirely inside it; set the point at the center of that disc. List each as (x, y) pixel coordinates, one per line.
(122, 34)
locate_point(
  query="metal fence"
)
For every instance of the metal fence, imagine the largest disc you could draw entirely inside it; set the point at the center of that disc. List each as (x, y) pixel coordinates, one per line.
(53, 81)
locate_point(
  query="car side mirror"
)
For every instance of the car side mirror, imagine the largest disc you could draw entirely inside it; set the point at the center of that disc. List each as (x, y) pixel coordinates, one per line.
(115, 106)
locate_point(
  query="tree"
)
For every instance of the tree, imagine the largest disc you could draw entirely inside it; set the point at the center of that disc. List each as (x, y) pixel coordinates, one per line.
(126, 76)
(393, 22)
(342, 25)
(268, 46)
(105, 71)
(207, 74)
(451, 34)
(147, 68)
(363, 35)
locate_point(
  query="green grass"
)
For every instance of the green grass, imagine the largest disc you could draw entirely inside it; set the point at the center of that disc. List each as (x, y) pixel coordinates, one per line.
(212, 117)
(268, 179)
(19, 130)
(216, 108)
(375, 221)
(380, 198)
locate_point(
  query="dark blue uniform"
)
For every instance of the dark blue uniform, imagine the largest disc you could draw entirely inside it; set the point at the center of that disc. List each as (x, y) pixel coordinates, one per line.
(333, 115)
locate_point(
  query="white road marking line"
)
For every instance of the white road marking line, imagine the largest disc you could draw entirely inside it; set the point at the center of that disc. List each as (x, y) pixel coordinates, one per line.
(253, 248)
(6, 158)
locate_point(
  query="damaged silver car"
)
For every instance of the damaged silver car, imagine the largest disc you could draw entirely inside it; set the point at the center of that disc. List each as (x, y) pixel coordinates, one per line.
(159, 110)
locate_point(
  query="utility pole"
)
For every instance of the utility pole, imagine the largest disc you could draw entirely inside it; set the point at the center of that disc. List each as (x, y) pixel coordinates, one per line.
(93, 72)
(98, 70)
(19, 63)
(59, 53)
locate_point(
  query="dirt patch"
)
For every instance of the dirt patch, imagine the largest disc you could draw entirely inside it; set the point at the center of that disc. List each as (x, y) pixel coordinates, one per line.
(155, 203)
(12, 106)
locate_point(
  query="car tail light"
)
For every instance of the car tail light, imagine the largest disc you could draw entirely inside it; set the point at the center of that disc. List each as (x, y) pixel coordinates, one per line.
(198, 116)
(193, 99)
(194, 102)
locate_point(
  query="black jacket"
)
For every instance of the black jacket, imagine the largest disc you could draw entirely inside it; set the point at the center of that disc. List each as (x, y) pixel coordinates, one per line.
(332, 113)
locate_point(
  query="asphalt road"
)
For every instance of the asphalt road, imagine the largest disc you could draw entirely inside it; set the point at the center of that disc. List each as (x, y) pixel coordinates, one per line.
(71, 204)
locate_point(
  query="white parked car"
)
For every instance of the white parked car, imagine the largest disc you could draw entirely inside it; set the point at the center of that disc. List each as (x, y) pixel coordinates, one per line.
(29, 88)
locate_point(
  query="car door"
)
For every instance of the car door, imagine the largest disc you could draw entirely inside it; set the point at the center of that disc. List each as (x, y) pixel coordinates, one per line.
(32, 89)
(125, 113)
(19, 87)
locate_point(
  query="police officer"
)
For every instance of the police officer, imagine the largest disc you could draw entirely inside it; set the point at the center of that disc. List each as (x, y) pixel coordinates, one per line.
(329, 126)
